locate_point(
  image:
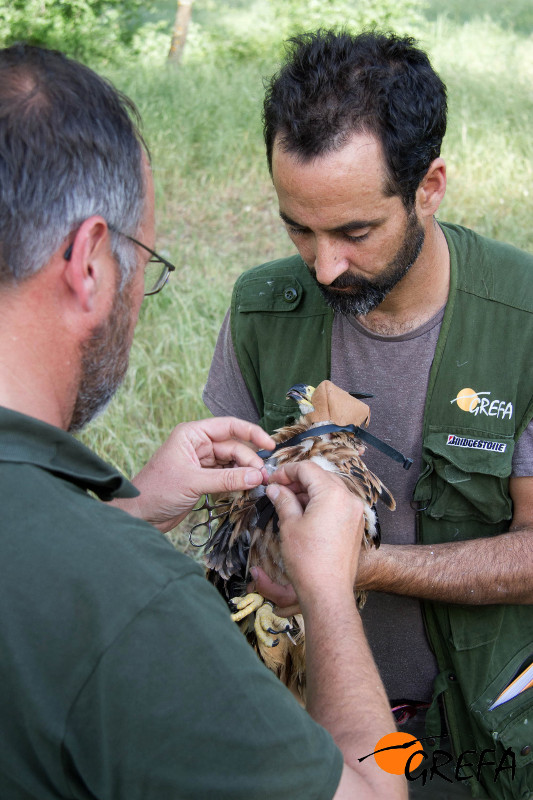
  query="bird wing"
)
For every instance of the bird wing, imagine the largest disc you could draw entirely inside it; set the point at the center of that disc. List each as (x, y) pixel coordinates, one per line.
(343, 452)
(248, 535)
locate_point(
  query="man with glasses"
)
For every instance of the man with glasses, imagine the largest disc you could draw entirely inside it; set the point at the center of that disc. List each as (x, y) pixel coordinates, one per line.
(121, 673)
(156, 272)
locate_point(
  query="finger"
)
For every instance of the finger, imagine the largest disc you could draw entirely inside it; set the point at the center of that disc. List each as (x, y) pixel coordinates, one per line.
(304, 475)
(280, 595)
(220, 428)
(285, 502)
(211, 481)
(303, 498)
(288, 611)
(238, 453)
(300, 492)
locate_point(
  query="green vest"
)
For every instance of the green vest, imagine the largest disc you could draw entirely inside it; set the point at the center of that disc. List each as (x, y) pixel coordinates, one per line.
(479, 401)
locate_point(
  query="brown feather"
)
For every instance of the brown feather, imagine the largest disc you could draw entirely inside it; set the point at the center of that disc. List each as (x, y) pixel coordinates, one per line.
(243, 539)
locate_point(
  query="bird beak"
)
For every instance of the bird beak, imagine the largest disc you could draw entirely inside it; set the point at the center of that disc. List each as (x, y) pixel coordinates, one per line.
(302, 393)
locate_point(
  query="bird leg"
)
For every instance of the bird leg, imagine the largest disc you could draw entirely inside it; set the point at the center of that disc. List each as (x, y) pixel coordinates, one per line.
(265, 620)
(246, 605)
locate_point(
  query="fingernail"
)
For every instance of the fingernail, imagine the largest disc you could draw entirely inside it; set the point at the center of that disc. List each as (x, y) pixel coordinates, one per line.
(253, 477)
(272, 491)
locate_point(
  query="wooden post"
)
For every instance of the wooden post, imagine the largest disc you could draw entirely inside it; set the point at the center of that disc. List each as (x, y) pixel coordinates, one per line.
(179, 32)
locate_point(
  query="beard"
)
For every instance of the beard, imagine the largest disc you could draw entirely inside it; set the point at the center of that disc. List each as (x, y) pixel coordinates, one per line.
(104, 362)
(366, 294)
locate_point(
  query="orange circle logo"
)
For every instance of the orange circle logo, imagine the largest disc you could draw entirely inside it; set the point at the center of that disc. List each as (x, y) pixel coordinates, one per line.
(467, 399)
(394, 750)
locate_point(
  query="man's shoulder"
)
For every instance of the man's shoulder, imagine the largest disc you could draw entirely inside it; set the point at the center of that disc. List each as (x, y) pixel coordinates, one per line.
(490, 268)
(50, 519)
(279, 266)
(285, 284)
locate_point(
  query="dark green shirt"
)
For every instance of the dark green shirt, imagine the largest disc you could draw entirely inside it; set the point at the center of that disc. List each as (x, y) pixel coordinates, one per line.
(121, 673)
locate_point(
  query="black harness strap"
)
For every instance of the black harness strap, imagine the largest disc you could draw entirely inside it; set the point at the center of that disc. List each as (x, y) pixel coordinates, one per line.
(266, 511)
(355, 430)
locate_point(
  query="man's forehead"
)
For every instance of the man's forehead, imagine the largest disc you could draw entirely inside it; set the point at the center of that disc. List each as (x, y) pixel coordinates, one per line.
(359, 146)
(333, 190)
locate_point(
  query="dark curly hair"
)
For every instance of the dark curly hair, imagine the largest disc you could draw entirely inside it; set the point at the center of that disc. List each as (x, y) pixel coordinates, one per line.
(335, 84)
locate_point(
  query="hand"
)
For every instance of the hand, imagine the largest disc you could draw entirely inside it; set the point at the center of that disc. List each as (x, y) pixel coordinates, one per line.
(284, 597)
(198, 458)
(321, 536)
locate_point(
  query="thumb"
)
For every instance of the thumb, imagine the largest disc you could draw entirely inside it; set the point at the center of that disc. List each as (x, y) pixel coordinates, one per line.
(284, 501)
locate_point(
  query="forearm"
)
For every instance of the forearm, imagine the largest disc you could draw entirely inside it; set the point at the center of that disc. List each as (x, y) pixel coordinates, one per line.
(345, 693)
(344, 690)
(498, 569)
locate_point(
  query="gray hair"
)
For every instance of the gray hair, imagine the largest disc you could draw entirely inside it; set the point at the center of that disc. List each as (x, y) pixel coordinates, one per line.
(70, 147)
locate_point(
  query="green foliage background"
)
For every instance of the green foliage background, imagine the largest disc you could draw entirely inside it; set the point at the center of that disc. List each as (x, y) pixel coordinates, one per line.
(84, 29)
(216, 209)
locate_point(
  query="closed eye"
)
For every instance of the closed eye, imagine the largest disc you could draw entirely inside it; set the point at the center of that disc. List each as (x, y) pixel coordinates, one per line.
(360, 238)
(294, 231)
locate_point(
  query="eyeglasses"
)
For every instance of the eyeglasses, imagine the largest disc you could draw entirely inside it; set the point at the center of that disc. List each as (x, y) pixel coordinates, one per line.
(156, 272)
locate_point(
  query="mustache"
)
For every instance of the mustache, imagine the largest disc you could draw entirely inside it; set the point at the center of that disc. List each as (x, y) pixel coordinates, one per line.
(347, 281)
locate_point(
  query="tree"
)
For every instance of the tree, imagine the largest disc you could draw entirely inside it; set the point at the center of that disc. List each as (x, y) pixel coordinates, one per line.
(81, 28)
(179, 32)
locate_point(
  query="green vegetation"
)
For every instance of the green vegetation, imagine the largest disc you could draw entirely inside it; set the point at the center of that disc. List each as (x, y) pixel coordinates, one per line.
(216, 209)
(83, 28)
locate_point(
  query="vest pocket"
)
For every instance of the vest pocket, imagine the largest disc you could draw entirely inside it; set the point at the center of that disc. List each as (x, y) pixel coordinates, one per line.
(467, 476)
(475, 626)
(509, 726)
(277, 415)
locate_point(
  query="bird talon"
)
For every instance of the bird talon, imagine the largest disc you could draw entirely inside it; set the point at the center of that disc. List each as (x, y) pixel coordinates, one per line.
(267, 623)
(245, 605)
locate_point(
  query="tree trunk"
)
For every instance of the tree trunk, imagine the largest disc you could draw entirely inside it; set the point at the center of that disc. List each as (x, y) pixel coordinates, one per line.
(179, 32)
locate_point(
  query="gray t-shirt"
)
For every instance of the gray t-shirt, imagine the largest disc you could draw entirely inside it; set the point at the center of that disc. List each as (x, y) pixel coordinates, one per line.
(395, 369)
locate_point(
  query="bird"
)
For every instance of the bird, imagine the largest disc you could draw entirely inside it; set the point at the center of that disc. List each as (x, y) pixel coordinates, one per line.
(247, 534)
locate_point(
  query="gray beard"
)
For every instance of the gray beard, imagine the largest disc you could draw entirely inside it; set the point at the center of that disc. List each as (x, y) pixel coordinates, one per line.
(105, 357)
(365, 295)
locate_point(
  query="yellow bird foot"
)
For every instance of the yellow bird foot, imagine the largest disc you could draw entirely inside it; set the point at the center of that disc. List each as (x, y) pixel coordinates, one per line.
(246, 605)
(267, 623)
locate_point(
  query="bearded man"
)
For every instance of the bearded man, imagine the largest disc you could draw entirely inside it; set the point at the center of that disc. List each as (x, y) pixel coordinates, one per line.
(435, 323)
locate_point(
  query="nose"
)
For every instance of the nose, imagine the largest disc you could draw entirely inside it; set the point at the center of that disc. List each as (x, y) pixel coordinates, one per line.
(330, 260)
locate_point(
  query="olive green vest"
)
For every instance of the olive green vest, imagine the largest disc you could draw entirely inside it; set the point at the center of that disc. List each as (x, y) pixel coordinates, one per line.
(479, 401)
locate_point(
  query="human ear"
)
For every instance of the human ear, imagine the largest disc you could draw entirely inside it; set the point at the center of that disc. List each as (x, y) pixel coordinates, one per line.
(85, 262)
(432, 188)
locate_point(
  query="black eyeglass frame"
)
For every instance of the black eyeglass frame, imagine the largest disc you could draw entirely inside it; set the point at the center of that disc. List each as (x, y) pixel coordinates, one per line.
(156, 259)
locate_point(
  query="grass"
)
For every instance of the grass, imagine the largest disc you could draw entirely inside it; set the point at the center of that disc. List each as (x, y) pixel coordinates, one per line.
(217, 213)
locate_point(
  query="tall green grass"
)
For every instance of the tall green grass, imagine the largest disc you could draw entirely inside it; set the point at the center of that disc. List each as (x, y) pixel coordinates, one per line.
(217, 212)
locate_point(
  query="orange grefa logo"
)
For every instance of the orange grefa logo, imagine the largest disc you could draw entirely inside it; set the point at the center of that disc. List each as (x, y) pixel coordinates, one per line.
(397, 753)
(402, 753)
(481, 403)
